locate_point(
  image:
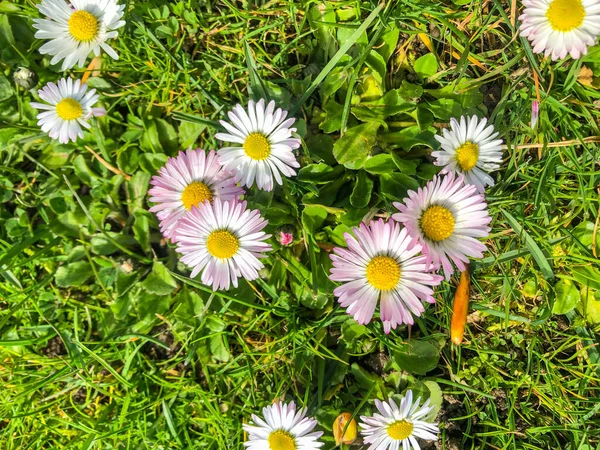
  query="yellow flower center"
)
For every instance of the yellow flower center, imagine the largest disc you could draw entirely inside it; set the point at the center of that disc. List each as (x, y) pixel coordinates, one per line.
(194, 194)
(257, 146)
(565, 15)
(83, 26)
(383, 273)
(69, 109)
(467, 156)
(281, 440)
(437, 223)
(400, 430)
(222, 244)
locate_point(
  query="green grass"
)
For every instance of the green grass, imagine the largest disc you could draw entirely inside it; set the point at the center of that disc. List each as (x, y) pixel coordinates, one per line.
(106, 343)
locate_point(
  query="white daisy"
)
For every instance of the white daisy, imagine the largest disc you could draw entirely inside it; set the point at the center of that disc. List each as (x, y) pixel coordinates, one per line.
(265, 145)
(446, 217)
(470, 148)
(188, 180)
(223, 240)
(396, 427)
(78, 28)
(69, 106)
(283, 428)
(382, 264)
(561, 27)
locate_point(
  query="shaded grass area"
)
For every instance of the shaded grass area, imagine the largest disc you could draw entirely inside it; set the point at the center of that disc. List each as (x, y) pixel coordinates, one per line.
(105, 343)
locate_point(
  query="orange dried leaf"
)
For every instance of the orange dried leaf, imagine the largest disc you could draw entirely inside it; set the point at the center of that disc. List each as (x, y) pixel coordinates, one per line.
(460, 308)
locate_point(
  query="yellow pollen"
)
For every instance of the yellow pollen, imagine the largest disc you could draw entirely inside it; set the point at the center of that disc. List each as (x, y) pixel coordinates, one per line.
(467, 156)
(222, 244)
(400, 430)
(83, 26)
(437, 223)
(383, 273)
(69, 109)
(565, 15)
(194, 194)
(257, 146)
(281, 440)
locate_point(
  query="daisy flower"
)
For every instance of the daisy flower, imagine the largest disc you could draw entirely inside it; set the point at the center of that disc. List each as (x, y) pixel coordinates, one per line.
(446, 217)
(382, 264)
(223, 240)
(188, 180)
(264, 145)
(68, 107)
(470, 148)
(561, 27)
(398, 427)
(283, 428)
(77, 28)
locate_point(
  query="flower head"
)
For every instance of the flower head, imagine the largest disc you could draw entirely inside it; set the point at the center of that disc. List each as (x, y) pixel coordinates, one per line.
(223, 240)
(68, 107)
(382, 264)
(77, 28)
(188, 180)
(396, 427)
(561, 27)
(283, 428)
(470, 148)
(446, 217)
(264, 145)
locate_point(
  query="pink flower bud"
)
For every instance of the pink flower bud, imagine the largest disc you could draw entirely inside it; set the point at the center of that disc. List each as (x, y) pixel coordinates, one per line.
(286, 238)
(535, 113)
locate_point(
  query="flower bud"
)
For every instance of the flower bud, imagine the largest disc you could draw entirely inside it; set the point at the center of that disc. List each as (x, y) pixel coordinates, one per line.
(285, 235)
(26, 78)
(338, 428)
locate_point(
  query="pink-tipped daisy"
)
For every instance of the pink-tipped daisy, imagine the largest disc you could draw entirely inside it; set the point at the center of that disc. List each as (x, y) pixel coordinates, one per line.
(382, 264)
(398, 427)
(561, 27)
(470, 148)
(264, 145)
(283, 428)
(446, 217)
(224, 241)
(69, 106)
(186, 181)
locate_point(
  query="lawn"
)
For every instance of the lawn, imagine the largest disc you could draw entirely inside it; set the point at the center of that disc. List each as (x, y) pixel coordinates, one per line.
(107, 343)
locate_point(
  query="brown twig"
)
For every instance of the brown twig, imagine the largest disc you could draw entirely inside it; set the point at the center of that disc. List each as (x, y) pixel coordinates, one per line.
(108, 165)
(586, 140)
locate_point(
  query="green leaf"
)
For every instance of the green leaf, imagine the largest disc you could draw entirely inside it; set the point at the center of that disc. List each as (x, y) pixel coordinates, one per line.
(396, 185)
(587, 276)
(356, 143)
(436, 397)
(313, 217)
(337, 78)
(410, 91)
(417, 356)
(361, 193)
(159, 281)
(380, 164)
(219, 349)
(426, 66)
(390, 104)
(389, 42)
(6, 89)
(567, 297)
(320, 173)
(74, 274)
(321, 146)
(333, 117)
(535, 250)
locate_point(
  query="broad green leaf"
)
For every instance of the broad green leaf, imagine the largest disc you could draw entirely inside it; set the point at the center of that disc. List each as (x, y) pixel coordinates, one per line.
(390, 104)
(436, 397)
(426, 66)
(74, 274)
(159, 281)
(567, 297)
(361, 194)
(320, 173)
(389, 42)
(6, 89)
(356, 143)
(587, 276)
(321, 145)
(396, 185)
(417, 357)
(337, 78)
(333, 117)
(379, 164)
(313, 217)
(409, 91)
